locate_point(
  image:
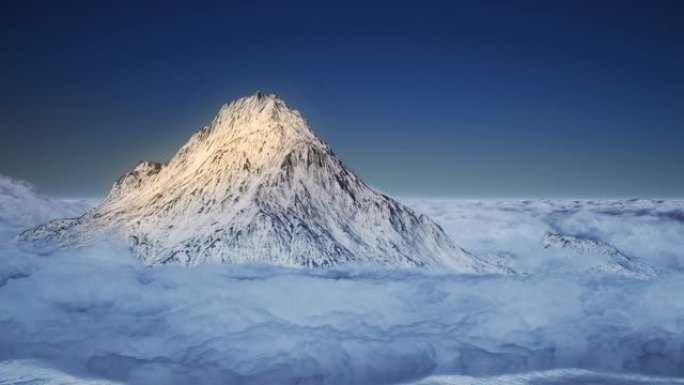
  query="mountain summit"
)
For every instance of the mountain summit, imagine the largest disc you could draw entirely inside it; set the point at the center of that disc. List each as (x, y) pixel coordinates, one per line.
(258, 186)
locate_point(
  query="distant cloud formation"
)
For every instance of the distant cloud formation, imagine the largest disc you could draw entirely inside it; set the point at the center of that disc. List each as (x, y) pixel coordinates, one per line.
(21, 206)
(650, 230)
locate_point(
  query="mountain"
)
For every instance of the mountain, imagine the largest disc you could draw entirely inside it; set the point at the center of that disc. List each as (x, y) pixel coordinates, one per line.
(608, 258)
(22, 206)
(258, 186)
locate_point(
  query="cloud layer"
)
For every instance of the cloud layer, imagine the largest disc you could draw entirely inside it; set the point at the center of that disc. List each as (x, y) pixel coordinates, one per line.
(97, 313)
(650, 230)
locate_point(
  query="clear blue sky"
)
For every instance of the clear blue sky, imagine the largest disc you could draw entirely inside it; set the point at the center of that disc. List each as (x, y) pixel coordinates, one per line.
(471, 99)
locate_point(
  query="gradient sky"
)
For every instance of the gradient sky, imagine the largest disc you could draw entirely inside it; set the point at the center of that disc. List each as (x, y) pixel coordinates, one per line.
(466, 99)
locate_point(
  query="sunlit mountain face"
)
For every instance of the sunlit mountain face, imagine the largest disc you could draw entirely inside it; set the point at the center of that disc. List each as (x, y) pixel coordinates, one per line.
(258, 186)
(480, 193)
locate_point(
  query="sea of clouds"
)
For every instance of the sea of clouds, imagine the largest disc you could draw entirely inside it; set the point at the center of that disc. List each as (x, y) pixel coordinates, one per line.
(97, 315)
(650, 230)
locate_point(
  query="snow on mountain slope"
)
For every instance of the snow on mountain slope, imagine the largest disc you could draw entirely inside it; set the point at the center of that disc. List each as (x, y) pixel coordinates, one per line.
(22, 206)
(616, 263)
(257, 185)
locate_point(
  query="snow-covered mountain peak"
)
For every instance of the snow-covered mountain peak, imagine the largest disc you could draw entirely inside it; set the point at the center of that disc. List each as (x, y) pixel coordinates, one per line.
(261, 128)
(257, 185)
(270, 109)
(255, 102)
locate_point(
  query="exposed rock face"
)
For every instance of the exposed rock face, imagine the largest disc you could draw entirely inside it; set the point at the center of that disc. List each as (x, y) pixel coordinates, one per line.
(257, 185)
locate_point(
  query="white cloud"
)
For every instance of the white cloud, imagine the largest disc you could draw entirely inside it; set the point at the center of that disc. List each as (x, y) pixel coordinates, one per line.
(97, 313)
(94, 314)
(652, 231)
(21, 206)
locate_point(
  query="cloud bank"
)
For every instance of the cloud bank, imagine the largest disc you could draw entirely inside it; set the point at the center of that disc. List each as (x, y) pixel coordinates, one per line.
(97, 313)
(21, 206)
(650, 230)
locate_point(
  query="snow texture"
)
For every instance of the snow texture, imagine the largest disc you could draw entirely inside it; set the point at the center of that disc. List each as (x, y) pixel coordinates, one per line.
(258, 186)
(97, 315)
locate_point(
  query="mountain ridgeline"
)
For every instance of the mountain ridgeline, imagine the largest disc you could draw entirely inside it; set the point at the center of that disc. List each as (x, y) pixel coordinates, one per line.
(258, 186)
